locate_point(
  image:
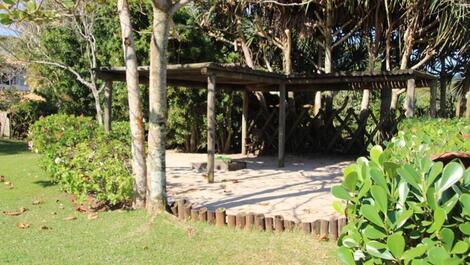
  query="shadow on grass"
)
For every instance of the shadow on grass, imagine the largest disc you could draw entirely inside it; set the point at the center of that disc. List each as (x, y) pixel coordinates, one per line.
(12, 147)
(45, 183)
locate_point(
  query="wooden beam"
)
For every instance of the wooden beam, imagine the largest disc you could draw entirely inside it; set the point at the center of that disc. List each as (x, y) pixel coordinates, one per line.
(211, 84)
(282, 124)
(108, 102)
(244, 122)
(410, 97)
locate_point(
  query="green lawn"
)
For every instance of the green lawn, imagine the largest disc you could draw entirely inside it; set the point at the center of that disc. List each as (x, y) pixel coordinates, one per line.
(121, 237)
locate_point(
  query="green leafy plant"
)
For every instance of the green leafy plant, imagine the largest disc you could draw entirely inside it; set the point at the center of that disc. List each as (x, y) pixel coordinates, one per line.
(84, 159)
(399, 212)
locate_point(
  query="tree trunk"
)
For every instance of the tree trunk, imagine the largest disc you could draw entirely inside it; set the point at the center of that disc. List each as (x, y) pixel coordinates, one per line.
(156, 175)
(409, 41)
(99, 111)
(443, 88)
(139, 167)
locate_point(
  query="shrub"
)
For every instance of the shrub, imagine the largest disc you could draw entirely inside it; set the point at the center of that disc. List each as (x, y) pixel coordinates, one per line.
(24, 114)
(404, 208)
(84, 159)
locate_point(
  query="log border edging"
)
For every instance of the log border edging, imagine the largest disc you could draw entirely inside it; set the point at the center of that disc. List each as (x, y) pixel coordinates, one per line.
(322, 229)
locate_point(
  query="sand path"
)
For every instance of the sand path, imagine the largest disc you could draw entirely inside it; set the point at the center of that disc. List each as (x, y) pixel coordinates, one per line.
(299, 192)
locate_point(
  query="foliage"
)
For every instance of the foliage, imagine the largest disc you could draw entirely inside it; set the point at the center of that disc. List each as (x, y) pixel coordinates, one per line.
(84, 159)
(404, 208)
(430, 136)
(24, 114)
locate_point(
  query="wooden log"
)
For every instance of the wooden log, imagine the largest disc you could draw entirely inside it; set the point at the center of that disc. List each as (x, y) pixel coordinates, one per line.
(211, 80)
(316, 228)
(324, 226)
(249, 221)
(269, 224)
(240, 221)
(211, 217)
(341, 224)
(220, 217)
(288, 225)
(231, 221)
(306, 227)
(181, 203)
(194, 214)
(203, 214)
(187, 211)
(334, 228)
(282, 124)
(244, 122)
(259, 222)
(278, 223)
(174, 208)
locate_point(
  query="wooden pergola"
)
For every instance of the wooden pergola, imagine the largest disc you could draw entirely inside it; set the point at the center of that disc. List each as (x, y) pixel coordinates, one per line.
(212, 76)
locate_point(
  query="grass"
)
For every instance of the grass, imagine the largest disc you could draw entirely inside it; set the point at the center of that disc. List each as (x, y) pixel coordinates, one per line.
(124, 237)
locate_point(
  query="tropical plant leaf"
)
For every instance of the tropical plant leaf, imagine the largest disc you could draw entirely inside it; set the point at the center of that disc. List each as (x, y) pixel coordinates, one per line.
(380, 197)
(372, 214)
(346, 256)
(452, 173)
(396, 244)
(341, 193)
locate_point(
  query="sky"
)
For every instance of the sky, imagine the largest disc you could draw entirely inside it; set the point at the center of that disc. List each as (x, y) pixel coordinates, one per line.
(6, 31)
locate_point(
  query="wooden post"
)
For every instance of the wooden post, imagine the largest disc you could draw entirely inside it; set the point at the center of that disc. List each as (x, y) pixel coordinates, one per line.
(245, 122)
(240, 221)
(269, 224)
(203, 214)
(316, 228)
(334, 228)
(278, 223)
(211, 217)
(187, 211)
(194, 214)
(220, 217)
(259, 222)
(249, 221)
(108, 102)
(289, 225)
(410, 98)
(324, 226)
(210, 127)
(282, 124)
(432, 107)
(385, 103)
(231, 221)
(181, 204)
(306, 227)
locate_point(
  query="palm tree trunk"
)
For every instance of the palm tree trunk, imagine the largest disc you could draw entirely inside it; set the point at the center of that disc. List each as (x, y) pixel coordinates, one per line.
(139, 168)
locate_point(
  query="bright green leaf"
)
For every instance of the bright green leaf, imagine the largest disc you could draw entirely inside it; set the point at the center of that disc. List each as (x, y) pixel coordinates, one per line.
(396, 244)
(465, 228)
(375, 153)
(373, 233)
(452, 173)
(413, 253)
(460, 247)
(380, 197)
(447, 237)
(345, 255)
(341, 193)
(372, 214)
(438, 220)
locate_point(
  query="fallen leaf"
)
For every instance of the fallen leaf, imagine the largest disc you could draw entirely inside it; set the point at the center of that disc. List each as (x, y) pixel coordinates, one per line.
(23, 225)
(263, 203)
(44, 227)
(54, 213)
(2, 178)
(145, 248)
(81, 209)
(92, 216)
(13, 213)
(70, 218)
(61, 206)
(8, 183)
(37, 202)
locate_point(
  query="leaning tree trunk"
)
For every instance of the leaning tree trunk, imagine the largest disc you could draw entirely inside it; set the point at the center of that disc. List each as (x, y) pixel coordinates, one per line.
(139, 168)
(156, 175)
(99, 111)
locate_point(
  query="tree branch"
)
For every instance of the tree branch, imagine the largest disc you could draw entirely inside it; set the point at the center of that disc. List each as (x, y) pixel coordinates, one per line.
(176, 6)
(69, 69)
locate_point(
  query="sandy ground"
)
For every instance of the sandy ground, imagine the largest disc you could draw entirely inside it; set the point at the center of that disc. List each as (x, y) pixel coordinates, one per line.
(299, 192)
